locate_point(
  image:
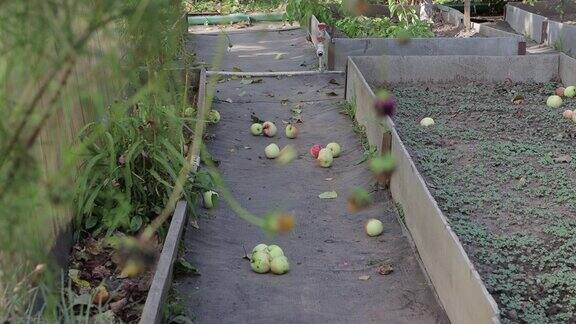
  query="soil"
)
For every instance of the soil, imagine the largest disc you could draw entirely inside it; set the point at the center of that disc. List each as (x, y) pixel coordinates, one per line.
(551, 9)
(503, 174)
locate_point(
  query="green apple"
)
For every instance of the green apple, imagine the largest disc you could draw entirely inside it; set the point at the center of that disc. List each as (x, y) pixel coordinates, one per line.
(260, 262)
(280, 265)
(256, 129)
(325, 158)
(335, 148)
(274, 251)
(570, 92)
(272, 151)
(374, 227)
(554, 101)
(291, 131)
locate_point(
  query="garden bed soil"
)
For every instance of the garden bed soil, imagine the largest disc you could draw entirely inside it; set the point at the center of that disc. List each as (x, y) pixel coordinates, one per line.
(334, 265)
(547, 8)
(93, 263)
(503, 174)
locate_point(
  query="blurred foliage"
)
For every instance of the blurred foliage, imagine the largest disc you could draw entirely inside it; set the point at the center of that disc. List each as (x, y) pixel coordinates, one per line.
(361, 26)
(232, 6)
(64, 62)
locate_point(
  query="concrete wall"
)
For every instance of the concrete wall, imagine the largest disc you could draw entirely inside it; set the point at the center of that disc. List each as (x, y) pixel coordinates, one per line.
(536, 68)
(455, 280)
(345, 47)
(561, 36)
(567, 70)
(456, 18)
(450, 15)
(525, 23)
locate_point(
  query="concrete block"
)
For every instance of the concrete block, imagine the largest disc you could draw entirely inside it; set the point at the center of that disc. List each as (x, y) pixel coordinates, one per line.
(493, 46)
(522, 68)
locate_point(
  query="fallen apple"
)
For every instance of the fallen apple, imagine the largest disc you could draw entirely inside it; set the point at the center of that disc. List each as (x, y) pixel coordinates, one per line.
(427, 121)
(213, 116)
(334, 148)
(272, 151)
(210, 199)
(315, 150)
(256, 129)
(280, 265)
(560, 91)
(325, 158)
(291, 131)
(274, 251)
(568, 114)
(260, 262)
(570, 92)
(554, 101)
(269, 129)
(260, 248)
(374, 227)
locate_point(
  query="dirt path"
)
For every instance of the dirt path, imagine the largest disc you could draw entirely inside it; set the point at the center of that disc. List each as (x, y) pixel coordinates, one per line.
(328, 249)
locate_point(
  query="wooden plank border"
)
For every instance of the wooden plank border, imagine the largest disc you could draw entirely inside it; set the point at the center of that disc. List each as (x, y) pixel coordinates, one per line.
(162, 281)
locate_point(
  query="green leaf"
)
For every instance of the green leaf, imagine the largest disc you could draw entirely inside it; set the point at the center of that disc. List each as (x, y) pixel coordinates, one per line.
(184, 267)
(135, 223)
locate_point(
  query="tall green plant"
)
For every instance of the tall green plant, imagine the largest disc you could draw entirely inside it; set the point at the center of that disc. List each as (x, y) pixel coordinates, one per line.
(60, 59)
(130, 170)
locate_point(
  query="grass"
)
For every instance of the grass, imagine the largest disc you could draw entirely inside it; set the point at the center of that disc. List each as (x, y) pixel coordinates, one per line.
(370, 151)
(502, 174)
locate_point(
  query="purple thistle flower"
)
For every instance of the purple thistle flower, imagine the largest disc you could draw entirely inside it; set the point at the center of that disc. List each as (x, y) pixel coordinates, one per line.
(385, 104)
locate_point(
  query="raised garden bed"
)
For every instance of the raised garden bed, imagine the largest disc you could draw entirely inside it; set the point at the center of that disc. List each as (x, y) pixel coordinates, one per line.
(493, 42)
(495, 176)
(557, 10)
(544, 24)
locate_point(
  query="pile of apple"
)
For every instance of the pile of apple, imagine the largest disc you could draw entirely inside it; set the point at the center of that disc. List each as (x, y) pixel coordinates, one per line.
(325, 155)
(269, 258)
(555, 101)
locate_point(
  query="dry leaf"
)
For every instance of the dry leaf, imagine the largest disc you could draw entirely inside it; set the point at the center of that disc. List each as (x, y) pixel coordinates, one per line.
(364, 278)
(328, 195)
(385, 269)
(564, 158)
(101, 295)
(518, 100)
